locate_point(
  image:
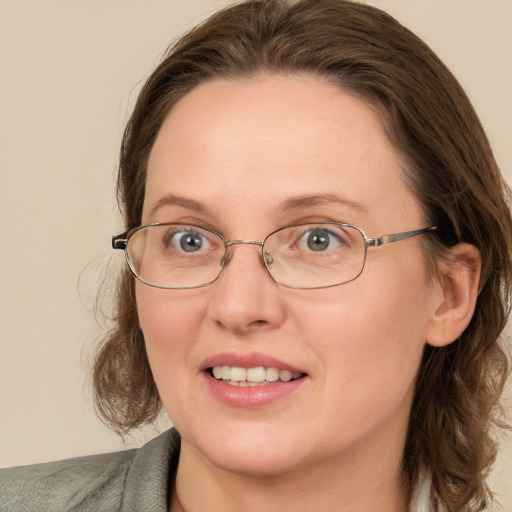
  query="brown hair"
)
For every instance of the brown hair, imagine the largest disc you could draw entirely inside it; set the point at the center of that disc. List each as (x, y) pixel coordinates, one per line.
(450, 168)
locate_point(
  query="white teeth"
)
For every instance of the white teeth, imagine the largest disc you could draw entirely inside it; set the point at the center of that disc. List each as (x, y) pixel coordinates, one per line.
(238, 374)
(271, 374)
(285, 375)
(258, 375)
(244, 383)
(226, 373)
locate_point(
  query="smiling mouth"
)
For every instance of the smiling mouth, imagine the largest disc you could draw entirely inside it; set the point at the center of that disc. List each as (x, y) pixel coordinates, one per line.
(255, 376)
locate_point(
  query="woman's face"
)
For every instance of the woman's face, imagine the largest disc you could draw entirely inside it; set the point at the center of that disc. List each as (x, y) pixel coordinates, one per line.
(245, 158)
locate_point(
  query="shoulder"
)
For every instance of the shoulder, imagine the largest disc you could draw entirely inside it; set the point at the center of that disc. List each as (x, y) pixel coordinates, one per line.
(66, 484)
(107, 482)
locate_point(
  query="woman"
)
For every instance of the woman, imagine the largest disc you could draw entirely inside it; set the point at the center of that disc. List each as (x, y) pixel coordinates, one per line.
(320, 259)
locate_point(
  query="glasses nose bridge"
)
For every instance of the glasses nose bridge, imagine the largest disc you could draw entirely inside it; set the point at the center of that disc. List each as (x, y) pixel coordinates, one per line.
(237, 242)
(231, 243)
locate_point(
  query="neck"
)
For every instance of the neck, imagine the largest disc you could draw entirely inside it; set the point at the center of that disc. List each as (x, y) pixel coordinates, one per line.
(331, 487)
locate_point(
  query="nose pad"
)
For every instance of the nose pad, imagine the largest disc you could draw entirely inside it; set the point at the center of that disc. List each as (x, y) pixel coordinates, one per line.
(226, 258)
(267, 258)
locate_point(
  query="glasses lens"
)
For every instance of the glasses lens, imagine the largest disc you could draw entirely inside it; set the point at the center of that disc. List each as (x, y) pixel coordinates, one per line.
(175, 255)
(315, 255)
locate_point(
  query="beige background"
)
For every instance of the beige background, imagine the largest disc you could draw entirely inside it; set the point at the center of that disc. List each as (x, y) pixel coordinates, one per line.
(69, 72)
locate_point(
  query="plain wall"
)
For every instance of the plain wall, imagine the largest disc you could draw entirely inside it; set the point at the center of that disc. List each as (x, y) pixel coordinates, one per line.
(69, 73)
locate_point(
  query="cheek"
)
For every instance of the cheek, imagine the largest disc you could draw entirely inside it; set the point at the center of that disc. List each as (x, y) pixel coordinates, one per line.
(169, 321)
(371, 340)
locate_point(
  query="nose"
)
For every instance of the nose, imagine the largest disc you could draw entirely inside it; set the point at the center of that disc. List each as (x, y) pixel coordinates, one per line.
(245, 297)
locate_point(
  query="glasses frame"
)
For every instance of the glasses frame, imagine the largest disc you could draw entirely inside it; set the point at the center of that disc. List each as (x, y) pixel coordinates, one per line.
(121, 242)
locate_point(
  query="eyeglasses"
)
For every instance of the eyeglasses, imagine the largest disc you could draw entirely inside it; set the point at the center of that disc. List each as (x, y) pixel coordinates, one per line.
(306, 256)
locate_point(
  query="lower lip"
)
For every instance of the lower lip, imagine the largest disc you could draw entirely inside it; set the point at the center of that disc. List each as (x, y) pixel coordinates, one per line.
(252, 396)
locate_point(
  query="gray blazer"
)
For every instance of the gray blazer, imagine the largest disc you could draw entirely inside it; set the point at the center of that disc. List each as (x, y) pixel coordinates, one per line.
(126, 481)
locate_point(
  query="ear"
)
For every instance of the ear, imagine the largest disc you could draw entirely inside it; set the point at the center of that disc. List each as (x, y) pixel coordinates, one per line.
(455, 297)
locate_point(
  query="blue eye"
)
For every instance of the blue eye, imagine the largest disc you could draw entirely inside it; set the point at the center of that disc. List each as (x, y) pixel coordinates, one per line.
(187, 241)
(319, 239)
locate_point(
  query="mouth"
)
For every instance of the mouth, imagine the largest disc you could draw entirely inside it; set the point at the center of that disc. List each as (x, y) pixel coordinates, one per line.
(252, 380)
(253, 376)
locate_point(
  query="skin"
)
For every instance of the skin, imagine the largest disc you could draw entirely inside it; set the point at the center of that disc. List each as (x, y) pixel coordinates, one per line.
(239, 149)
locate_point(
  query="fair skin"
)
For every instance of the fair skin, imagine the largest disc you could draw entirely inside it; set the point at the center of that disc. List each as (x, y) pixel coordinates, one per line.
(333, 440)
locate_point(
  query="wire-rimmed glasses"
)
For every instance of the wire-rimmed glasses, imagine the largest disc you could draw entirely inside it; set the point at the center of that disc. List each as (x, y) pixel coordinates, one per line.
(304, 256)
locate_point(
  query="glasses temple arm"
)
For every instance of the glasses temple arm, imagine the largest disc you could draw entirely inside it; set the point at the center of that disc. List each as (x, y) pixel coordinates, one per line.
(396, 237)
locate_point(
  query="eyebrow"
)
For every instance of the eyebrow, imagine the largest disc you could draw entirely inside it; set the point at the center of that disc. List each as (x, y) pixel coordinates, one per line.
(308, 201)
(290, 204)
(184, 202)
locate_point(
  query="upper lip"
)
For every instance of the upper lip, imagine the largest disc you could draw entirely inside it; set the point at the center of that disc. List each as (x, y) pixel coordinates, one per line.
(249, 360)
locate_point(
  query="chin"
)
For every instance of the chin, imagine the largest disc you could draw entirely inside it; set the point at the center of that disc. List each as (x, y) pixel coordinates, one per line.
(257, 451)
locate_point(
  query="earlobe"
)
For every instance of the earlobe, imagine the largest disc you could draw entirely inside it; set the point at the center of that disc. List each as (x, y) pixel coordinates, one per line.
(455, 299)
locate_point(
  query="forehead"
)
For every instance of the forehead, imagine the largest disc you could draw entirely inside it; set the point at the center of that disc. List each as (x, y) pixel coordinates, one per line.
(254, 144)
